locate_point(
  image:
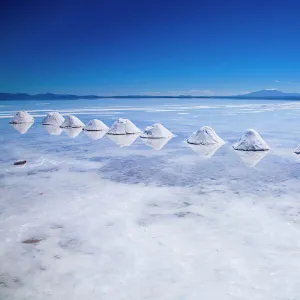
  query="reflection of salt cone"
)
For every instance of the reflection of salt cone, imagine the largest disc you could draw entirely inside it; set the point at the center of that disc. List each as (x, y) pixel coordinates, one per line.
(124, 140)
(156, 144)
(206, 151)
(95, 135)
(72, 132)
(22, 128)
(53, 129)
(251, 158)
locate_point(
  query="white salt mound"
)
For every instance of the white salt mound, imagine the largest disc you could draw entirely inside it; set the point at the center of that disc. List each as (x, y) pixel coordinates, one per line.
(156, 131)
(123, 126)
(95, 125)
(205, 136)
(251, 141)
(72, 122)
(53, 118)
(297, 150)
(22, 117)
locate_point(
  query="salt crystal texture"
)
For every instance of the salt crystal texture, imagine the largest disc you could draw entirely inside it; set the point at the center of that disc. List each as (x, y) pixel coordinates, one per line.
(297, 150)
(22, 117)
(123, 126)
(251, 141)
(156, 131)
(22, 128)
(205, 136)
(53, 118)
(72, 122)
(95, 125)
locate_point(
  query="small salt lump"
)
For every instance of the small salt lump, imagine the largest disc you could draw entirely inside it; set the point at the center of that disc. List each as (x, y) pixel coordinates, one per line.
(22, 117)
(251, 141)
(95, 125)
(72, 122)
(205, 136)
(297, 150)
(53, 118)
(123, 126)
(156, 131)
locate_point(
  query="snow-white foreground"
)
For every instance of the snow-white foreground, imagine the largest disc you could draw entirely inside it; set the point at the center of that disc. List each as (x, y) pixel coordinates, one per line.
(251, 141)
(123, 126)
(53, 129)
(251, 158)
(156, 131)
(205, 136)
(22, 127)
(95, 125)
(72, 122)
(123, 140)
(156, 144)
(22, 117)
(53, 118)
(297, 150)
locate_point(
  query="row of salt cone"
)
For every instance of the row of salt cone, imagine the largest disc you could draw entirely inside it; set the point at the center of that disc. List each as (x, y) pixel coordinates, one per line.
(250, 141)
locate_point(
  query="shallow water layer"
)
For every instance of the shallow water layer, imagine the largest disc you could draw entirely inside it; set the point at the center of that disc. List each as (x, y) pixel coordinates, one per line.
(120, 218)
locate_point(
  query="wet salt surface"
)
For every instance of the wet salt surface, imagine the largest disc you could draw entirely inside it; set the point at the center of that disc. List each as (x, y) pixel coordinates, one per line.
(87, 218)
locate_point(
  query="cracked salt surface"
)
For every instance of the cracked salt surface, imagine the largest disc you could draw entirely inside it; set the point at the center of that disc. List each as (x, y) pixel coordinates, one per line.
(87, 219)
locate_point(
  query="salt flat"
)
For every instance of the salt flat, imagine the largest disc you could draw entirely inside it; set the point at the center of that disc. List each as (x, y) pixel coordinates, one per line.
(86, 218)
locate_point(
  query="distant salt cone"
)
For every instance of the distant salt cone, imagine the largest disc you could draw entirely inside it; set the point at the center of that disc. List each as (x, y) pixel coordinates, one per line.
(53, 118)
(22, 128)
(53, 129)
(156, 131)
(156, 143)
(251, 141)
(22, 117)
(206, 151)
(123, 126)
(251, 158)
(297, 150)
(123, 140)
(205, 136)
(95, 125)
(95, 135)
(72, 122)
(73, 132)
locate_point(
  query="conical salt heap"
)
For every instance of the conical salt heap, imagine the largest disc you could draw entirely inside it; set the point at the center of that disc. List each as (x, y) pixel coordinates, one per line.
(205, 136)
(251, 141)
(53, 118)
(123, 126)
(22, 117)
(297, 150)
(156, 131)
(95, 125)
(72, 122)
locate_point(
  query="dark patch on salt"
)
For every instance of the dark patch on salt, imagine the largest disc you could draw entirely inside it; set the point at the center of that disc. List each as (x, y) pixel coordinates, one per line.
(20, 162)
(32, 241)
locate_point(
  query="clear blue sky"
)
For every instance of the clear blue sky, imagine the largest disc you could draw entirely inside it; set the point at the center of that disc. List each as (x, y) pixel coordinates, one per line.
(149, 47)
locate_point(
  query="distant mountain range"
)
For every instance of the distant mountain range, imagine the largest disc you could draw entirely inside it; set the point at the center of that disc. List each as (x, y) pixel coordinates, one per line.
(263, 94)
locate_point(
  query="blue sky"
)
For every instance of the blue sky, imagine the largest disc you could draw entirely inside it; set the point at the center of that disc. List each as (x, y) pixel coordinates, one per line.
(149, 47)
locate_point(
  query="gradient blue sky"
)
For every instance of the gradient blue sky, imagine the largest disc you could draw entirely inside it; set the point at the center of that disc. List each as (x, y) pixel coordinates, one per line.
(149, 47)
